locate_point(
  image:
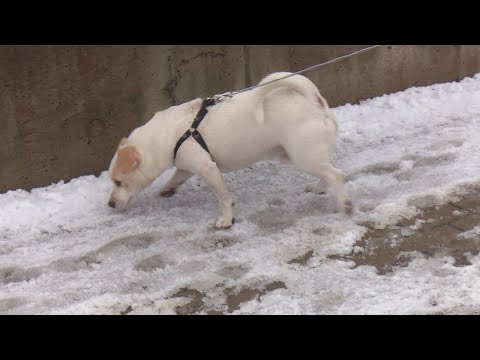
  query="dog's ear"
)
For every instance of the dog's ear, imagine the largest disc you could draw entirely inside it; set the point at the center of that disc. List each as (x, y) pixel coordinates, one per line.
(122, 142)
(128, 159)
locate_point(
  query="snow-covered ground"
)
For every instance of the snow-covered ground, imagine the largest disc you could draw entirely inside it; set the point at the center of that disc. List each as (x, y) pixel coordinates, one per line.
(64, 251)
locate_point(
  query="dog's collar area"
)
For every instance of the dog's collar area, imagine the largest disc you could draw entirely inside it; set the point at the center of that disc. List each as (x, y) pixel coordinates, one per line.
(193, 128)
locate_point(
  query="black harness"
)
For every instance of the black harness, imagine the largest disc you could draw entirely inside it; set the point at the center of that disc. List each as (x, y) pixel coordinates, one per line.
(193, 129)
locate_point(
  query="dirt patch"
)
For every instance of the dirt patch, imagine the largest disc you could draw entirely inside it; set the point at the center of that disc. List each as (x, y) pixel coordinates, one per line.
(302, 260)
(126, 311)
(435, 232)
(237, 297)
(195, 304)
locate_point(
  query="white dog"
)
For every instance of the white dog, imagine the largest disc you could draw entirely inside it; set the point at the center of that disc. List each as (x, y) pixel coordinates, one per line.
(287, 120)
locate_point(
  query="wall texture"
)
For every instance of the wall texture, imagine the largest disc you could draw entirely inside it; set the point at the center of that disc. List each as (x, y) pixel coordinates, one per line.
(63, 109)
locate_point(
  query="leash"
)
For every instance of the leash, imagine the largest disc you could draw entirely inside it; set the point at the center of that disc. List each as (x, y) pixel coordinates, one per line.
(221, 97)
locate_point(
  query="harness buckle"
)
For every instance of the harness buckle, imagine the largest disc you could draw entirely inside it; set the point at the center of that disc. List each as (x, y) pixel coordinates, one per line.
(219, 98)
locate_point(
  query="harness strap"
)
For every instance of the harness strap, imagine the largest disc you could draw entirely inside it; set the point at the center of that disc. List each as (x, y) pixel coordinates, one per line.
(193, 129)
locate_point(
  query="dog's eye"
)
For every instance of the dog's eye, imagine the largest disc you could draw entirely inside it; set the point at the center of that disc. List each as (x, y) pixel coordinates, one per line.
(118, 183)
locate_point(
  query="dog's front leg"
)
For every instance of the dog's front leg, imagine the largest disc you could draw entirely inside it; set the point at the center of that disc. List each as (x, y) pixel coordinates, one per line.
(178, 178)
(212, 175)
(194, 159)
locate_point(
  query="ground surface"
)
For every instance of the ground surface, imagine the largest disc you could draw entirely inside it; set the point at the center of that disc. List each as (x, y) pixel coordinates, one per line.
(413, 171)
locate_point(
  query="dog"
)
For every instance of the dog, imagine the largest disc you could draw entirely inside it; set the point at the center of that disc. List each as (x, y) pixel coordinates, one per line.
(286, 121)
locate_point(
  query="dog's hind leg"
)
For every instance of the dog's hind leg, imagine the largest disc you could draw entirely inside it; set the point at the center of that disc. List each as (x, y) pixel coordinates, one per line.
(336, 179)
(317, 187)
(316, 161)
(178, 178)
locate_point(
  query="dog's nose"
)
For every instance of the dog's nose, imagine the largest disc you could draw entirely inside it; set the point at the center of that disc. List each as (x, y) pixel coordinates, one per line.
(111, 204)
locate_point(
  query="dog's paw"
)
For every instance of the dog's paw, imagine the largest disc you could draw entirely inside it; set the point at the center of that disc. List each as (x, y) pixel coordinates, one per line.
(316, 187)
(167, 193)
(224, 223)
(348, 207)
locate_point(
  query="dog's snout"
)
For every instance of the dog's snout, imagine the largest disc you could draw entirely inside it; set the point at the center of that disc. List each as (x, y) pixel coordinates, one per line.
(111, 204)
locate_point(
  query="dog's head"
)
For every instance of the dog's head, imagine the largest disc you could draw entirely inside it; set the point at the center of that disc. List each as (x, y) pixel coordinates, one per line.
(126, 175)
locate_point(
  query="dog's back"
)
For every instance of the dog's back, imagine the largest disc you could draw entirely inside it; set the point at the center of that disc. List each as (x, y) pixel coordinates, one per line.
(289, 86)
(296, 82)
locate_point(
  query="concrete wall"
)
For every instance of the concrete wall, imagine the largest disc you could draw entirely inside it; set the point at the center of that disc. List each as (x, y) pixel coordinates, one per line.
(63, 109)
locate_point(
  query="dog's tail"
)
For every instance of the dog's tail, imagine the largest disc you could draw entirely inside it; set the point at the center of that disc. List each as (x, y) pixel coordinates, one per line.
(296, 82)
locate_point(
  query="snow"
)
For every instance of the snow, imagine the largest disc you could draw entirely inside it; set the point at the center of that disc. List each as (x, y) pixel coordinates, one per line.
(64, 251)
(472, 233)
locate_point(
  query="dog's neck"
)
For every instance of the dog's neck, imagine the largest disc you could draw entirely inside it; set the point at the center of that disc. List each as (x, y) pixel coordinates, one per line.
(165, 127)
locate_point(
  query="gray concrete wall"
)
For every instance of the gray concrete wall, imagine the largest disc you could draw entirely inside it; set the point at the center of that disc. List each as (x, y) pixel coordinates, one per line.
(63, 109)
